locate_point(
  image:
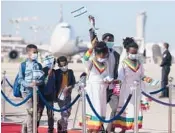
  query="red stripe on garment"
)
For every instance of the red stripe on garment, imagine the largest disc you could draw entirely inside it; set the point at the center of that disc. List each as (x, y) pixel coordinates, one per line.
(126, 127)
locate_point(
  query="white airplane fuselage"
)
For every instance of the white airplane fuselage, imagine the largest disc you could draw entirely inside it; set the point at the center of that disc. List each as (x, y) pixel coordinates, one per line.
(63, 41)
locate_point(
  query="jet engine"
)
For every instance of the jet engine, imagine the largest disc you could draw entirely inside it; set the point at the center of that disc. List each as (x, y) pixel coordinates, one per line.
(13, 54)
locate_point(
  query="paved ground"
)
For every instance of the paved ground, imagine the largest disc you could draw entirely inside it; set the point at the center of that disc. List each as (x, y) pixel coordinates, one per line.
(155, 120)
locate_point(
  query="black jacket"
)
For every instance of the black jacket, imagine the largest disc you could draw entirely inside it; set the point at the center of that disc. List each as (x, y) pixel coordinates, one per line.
(48, 88)
(59, 76)
(166, 59)
(117, 59)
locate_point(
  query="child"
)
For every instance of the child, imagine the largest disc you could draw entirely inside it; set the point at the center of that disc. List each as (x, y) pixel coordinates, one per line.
(65, 81)
(48, 91)
(130, 70)
(97, 83)
(29, 79)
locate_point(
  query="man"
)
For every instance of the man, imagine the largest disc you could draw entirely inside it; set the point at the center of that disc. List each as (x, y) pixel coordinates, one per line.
(112, 98)
(48, 91)
(28, 79)
(166, 63)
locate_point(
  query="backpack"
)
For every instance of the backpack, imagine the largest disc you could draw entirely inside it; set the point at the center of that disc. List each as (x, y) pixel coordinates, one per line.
(17, 85)
(49, 87)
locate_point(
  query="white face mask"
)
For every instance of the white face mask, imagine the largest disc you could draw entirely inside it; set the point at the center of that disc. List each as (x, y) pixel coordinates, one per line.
(101, 60)
(64, 68)
(110, 44)
(34, 56)
(133, 56)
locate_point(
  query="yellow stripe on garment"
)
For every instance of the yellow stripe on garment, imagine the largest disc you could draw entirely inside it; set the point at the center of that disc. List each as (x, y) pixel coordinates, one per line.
(99, 67)
(131, 65)
(88, 54)
(95, 123)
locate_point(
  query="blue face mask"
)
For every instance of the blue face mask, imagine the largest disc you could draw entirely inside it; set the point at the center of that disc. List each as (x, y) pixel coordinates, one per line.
(110, 44)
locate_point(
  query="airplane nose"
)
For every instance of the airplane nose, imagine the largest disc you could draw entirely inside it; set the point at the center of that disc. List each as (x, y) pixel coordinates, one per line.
(59, 38)
(62, 39)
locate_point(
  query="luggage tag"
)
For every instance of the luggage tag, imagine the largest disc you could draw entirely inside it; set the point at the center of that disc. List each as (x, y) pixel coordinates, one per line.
(61, 95)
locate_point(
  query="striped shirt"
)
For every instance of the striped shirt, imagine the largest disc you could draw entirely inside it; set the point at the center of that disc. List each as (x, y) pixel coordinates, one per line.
(33, 72)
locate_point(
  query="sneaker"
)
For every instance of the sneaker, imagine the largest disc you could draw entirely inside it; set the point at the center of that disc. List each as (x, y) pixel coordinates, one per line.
(59, 127)
(24, 128)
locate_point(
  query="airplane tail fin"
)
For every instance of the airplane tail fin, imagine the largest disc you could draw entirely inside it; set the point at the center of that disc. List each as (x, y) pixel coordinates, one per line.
(61, 14)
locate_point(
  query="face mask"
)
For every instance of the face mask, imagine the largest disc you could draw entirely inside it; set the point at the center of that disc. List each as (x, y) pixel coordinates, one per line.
(133, 56)
(110, 44)
(64, 68)
(34, 56)
(101, 60)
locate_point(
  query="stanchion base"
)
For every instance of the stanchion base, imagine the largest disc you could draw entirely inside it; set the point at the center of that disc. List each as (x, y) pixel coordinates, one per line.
(16, 128)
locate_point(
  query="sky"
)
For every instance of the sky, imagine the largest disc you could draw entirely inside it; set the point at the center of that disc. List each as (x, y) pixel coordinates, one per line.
(116, 17)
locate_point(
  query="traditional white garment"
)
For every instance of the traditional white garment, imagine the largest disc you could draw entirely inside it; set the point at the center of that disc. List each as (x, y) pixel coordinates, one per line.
(128, 76)
(96, 89)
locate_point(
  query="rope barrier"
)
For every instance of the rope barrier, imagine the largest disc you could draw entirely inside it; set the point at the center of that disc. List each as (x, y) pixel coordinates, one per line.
(155, 92)
(16, 104)
(58, 110)
(160, 102)
(115, 117)
(9, 83)
(152, 93)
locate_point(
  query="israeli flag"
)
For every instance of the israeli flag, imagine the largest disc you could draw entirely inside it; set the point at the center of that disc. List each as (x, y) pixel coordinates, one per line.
(37, 74)
(79, 12)
(48, 61)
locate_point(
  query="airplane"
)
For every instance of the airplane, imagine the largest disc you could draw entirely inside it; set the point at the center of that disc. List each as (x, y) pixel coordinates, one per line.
(63, 42)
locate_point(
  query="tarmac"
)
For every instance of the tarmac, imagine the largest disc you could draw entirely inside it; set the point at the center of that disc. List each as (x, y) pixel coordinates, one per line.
(155, 120)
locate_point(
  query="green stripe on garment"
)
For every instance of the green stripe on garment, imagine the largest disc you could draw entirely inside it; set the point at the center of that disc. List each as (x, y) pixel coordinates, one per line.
(140, 118)
(144, 102)
(94, 118)
(86, 58)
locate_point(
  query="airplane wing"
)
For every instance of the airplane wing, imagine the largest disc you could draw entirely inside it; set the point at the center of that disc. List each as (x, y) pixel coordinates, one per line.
(42, 48)
(83, 46)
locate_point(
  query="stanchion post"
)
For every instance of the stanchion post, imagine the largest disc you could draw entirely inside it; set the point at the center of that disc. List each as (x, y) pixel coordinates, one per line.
(35, 109)
(76, 114)
(136, 106)
(3, 100)
(83, 95)
(84, 110)
(170, 108)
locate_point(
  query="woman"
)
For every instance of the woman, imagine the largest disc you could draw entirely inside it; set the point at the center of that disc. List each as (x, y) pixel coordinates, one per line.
(97, 83)
(130, 70)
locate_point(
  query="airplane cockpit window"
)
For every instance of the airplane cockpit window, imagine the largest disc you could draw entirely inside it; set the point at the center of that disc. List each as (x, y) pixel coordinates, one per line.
(67, 26)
